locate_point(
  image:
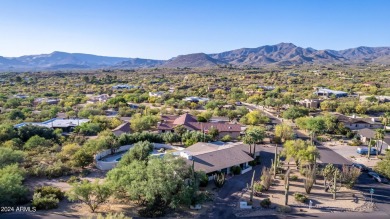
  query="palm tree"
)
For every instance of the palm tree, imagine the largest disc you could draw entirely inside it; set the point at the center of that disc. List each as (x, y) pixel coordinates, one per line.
(386, 119)
(252, 136)
(379, 135)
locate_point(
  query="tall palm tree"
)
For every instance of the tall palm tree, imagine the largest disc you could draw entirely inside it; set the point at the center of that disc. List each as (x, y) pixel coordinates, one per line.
(379, 135)
(252, 136)
(385, 119)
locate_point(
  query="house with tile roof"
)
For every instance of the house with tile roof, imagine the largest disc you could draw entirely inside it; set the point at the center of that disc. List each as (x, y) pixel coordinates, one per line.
(355, 123)
(122, 129)
(168, 124)
(218, 157)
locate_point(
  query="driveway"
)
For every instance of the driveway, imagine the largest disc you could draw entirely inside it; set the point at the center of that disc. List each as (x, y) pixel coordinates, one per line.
(228, 196)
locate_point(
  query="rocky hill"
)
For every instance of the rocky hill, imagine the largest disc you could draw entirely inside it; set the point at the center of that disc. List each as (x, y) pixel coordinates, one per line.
(280, 55)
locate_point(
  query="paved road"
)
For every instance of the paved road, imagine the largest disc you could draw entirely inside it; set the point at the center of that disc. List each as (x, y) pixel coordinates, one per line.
(381, 195)
(336, 215)
(23, 215)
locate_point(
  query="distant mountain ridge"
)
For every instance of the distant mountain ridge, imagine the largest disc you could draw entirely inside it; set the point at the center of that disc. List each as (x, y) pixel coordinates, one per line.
(282, 54)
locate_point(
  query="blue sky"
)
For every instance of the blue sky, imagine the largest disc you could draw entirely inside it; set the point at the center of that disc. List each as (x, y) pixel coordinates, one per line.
(161, 29)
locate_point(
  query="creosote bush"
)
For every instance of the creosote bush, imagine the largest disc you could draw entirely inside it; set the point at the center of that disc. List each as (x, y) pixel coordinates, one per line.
(236, 170)
(265, 203)
(300, 197)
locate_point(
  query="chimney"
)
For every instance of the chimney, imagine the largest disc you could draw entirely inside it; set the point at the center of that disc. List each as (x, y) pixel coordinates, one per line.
(354, 116)
(373, 119)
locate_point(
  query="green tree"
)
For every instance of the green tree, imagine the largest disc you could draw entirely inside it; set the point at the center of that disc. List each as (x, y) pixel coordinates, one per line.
(140, 123)
(16, 114)
(140, 151)
(379, 137)
(302, 152)
(214, 132)
(157, 184)
(7, 132)
(12, 190)
(284, 132)
(180, 130)
(9, 156)
(35, 142)
(92, 194)
(383, 166)
(28, 131)
(254, 118)
(170, 137)
(81, 158)
(253, 136)
(295, 112)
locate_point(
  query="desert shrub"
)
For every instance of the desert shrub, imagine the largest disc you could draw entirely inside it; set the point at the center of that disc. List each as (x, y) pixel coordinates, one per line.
(253, 163)
(56, 170)
(277, 140)
(322, 139)
(50, 190)
(226, 138)
(84, 173)
(293, 178)
(258, 187)
(203, 179)
(45, 202)
(219, 179)
(73, 179)
(349, 175)
(236, 170)
(300, 197)
(355, 142)
(265, 203)
(108, 216)
(266, 178)
(283, 209)
(350, 134)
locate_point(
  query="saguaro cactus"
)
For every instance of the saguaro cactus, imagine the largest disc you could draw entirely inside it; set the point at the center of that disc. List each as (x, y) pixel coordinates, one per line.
(335, 188)
(286, 186)
(275, 163)
(253, 179)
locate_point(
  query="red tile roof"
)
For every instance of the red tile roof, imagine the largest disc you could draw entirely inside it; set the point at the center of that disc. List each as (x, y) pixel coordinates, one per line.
(190, 122)
(184, 119)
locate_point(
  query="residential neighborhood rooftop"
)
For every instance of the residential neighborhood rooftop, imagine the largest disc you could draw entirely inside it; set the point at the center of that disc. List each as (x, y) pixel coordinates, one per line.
(55, 123)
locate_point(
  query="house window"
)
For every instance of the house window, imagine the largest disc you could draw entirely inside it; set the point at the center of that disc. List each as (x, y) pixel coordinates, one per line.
(163, 131)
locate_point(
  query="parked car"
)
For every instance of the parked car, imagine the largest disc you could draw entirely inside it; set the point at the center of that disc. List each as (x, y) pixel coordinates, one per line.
(363, 151)
(377, 177)
(361, 167)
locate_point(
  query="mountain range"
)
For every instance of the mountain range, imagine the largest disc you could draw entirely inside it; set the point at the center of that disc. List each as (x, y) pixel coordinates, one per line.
(282, 54)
